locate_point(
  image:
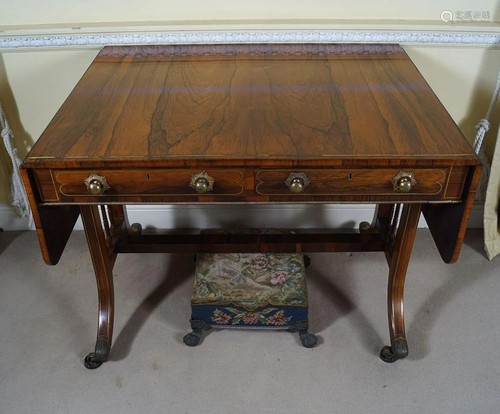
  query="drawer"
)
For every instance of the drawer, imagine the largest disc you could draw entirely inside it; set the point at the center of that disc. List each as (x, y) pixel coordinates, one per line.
(151, 182)
(346, 182)
(164, 185)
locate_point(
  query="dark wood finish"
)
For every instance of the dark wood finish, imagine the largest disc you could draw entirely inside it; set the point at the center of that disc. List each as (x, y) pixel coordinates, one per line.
(147, 182)
(117, 217)
(53, 224)
(381, 223)
(249, 185)
(221, 105)
(105, 222)
(350, 116)
(103, 268)
(351, 182)
(449, 222)
(247, 243)
(400, 258)
(116, 214)
(456, 180)
(46, 185)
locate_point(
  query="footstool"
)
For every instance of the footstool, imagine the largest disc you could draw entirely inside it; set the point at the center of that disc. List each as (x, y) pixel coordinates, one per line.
(247, 290)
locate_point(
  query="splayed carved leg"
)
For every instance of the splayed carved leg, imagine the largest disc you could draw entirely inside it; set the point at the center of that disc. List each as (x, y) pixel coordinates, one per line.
(103, 267)
(400, 258)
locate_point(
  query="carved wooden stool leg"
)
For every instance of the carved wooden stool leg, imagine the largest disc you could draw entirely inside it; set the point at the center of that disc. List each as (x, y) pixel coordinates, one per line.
(397, 272)
(308, 339)
(193, 337)
(103, 266)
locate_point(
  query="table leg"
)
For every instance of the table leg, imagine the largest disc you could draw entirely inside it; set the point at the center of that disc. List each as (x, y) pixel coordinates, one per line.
(397, 273)
(103, 268)
(382, 216)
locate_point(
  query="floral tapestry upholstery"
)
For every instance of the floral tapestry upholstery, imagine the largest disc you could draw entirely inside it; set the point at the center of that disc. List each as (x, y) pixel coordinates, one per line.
(250, 290)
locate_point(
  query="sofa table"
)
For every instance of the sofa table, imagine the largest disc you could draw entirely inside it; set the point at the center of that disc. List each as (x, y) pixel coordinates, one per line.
(258, 123)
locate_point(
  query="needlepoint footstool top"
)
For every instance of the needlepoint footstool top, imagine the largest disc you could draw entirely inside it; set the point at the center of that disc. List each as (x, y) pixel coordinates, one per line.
(250, 281)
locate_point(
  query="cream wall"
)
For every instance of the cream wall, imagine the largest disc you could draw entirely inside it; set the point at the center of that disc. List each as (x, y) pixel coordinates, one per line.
(463, 78)
(64, 11)
(33, 85)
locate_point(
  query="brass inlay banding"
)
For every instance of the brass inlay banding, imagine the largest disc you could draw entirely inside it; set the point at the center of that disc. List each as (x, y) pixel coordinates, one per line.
(461, 189)
(244, 156)
(40, 188)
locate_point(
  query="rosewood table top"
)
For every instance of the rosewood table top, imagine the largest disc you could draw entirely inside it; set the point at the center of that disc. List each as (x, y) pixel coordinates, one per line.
(264, 104)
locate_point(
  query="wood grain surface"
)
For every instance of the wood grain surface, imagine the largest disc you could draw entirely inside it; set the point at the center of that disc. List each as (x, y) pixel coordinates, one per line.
(262, 105)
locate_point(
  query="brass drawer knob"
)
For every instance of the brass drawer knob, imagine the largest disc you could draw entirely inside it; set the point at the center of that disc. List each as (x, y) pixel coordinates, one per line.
(96, 184)
(202, 182)
(403, 181)
(297, 182)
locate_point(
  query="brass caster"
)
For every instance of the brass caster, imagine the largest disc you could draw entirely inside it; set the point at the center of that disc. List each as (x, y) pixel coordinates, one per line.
(95, 359)
(400, 351)
(387, 355)
(92, 361)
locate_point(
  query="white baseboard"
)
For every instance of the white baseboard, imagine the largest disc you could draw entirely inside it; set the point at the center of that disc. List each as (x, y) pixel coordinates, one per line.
(204, 216)
(10, 220)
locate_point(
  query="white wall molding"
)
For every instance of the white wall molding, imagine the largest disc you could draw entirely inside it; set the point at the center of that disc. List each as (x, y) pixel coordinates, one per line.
(257, 215)
(306, 31)
(247, 37)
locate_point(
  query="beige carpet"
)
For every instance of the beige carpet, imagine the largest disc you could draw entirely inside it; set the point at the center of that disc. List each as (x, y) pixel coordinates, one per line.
(48, 323)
